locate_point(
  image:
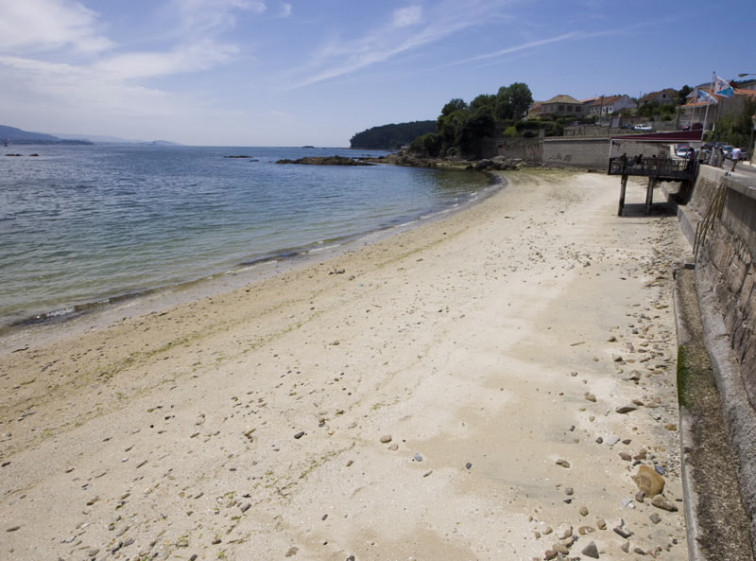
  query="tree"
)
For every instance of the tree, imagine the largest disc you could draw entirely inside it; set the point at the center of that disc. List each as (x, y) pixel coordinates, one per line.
(512, 102)
(683, 93)
(483, 101)
(428, 145)
(455, 104)
(462, 128)
(480, 124)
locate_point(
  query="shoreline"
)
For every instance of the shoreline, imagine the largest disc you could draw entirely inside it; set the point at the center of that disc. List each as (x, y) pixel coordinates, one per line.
(248, 271)
(452, 391)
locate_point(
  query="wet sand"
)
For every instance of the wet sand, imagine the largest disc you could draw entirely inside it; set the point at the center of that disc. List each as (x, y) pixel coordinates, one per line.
(481, 387)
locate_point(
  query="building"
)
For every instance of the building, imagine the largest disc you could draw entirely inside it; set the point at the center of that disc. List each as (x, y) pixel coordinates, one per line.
(668, 96)
(608, 105)
(557, 106)
(706, 109)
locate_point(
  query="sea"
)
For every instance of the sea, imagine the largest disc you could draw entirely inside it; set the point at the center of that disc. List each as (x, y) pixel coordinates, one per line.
(86, 226)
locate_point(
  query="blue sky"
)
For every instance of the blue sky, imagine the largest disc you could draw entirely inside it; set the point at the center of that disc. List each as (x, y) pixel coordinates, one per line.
(295, 72)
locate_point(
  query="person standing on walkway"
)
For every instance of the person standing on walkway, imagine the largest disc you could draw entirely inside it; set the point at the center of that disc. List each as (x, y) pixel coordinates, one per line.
(735, 156)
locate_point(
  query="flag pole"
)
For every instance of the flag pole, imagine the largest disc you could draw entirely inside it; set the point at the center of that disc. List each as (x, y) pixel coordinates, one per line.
(708, 102)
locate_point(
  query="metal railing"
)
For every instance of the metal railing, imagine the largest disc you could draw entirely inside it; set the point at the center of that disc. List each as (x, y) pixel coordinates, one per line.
(661, 168)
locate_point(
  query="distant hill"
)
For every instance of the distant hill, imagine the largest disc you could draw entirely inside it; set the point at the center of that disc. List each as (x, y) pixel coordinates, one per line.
(12, 135)
(391, 137)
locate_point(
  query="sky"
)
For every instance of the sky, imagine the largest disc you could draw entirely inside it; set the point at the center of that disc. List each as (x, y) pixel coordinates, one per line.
(316, 72)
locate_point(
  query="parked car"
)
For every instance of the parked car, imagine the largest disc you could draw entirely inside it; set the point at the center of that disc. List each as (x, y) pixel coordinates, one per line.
(643, 127)
(682, 150)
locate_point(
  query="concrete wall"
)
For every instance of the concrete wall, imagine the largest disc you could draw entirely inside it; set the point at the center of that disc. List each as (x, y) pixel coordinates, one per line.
(529, 150)
(581, 152)
(592, 153)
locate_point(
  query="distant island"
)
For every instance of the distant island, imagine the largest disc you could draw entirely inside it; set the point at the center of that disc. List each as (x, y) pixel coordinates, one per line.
(391, 137)
(12, 135)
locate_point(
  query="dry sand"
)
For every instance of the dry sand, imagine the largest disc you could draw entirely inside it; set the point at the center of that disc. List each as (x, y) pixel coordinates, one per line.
(449, 393)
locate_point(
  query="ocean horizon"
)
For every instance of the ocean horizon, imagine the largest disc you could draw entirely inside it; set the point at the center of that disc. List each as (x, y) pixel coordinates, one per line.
(87, 226)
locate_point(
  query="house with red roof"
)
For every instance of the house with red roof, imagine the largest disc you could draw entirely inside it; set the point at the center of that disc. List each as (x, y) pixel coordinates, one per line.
(608, 105)
(703, 106)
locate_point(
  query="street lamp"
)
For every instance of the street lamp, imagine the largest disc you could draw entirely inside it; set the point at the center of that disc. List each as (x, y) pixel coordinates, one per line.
(752, 146)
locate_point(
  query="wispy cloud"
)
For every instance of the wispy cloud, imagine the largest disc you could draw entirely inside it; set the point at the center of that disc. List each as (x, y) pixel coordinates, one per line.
(564, 37)
(406, 29)
(193, 57)
(210, 17)
(61, 63)
(37, 26)
(411, 15)
(522, 47)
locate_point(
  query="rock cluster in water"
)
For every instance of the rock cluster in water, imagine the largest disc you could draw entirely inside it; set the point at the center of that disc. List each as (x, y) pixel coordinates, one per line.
(326, 161)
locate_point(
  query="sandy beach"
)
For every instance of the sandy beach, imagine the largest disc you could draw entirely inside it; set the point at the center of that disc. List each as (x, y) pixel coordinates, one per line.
(482, 387)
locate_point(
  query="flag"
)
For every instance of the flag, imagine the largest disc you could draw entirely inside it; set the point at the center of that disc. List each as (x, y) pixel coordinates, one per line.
(703, 95)
(722, 87)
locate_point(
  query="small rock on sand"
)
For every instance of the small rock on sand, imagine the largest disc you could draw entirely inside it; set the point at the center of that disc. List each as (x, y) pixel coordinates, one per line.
(662, 502)
(649, 481)
(564, 531)
(591, 550)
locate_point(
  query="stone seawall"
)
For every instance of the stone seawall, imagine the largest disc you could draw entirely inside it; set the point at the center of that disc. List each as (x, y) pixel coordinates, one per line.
(721, 218)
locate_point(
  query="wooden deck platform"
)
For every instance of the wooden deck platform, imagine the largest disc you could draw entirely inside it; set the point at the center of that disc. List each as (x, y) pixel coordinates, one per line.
(656, 169)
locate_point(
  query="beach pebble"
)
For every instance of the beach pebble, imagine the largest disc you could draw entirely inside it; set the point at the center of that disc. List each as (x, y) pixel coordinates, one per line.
(583, 511)
(299, 435)
(563, 463)
(623, 409)
(601, 524)
(591, 550)
(655, 518)
(621, 531)
(386, 438)
(564, 531)
(590, 397)
(648, 481)
(662, 502)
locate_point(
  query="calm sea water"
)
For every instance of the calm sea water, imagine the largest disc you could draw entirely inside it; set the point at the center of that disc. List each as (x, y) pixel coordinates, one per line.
(90, 224)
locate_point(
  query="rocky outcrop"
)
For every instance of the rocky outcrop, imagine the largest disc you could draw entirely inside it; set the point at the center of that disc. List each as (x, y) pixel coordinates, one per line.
(326, 161)
(499, 163)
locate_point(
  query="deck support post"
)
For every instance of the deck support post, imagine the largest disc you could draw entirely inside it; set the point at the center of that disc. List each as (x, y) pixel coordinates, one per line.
(650, 194)
(623, 187)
